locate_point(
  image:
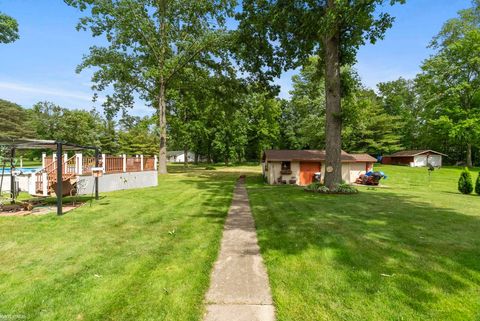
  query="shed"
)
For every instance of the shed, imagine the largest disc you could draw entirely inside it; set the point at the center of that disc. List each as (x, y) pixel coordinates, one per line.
(178, 156)
(300, 166)
(415, 158)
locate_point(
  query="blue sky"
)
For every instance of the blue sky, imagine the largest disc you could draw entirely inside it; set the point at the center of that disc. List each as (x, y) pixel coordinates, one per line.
(41, 65)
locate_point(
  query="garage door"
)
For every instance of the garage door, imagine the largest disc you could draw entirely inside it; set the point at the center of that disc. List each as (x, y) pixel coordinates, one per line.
(307, 170)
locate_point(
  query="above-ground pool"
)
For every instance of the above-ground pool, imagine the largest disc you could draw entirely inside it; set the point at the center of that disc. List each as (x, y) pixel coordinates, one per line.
(20, 170)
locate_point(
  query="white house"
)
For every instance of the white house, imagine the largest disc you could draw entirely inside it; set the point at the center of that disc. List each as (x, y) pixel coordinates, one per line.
(300, 166)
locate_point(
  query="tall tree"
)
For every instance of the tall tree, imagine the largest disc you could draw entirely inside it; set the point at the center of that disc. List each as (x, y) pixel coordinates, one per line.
(150, 44)
(14, 121)
(138, 136)
(8, 29)
(450, 80)
(281, 34)
(400, 98)
(366, 126)
(74, 126)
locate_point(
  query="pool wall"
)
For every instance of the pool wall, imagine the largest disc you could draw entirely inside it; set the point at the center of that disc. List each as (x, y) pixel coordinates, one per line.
(107, 183)
(117, 182)
(26, 183)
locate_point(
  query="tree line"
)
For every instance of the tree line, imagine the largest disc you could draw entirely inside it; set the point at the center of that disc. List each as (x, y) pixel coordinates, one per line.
(212, 85)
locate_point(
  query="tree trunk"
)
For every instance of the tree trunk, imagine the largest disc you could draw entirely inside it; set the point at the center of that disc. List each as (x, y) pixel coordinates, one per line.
(162, 119)
(185, 160)
(196, 158)
(469, 155)
(333, 128)
(162, 122)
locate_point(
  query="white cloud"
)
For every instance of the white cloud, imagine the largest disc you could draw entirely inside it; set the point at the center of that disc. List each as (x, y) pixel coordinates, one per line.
(44, 92)
(28, 94)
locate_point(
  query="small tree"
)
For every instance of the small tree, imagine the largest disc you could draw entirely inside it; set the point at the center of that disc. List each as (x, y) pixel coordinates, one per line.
(477, 185)
(465, 184)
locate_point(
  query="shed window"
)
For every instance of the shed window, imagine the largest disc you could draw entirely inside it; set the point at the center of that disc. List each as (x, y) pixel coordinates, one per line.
(285, 166)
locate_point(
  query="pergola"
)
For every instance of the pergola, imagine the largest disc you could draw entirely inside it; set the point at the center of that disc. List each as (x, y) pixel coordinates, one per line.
(59, 147)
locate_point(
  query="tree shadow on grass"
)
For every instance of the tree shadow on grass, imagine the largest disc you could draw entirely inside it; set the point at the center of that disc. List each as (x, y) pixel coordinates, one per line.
(217, 190)
(423, 251)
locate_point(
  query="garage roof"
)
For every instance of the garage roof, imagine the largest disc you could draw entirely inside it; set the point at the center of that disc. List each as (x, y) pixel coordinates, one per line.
(279, 155)
(415, 152)
(364, 158)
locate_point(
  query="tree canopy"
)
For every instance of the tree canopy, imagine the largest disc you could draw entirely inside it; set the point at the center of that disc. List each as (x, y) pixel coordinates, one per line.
(14, 121)
(8, 29)
(228, 111)
(151, 43)
(450, 81)
(277, 35)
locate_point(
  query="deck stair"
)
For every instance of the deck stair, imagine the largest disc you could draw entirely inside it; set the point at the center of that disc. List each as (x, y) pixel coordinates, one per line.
(69, 176)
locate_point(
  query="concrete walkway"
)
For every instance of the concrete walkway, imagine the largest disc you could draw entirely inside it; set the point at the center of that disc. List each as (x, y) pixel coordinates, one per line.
(239, 289)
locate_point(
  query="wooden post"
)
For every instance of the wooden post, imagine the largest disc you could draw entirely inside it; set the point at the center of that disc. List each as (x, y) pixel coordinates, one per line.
(44, 184)
(44, 155)
(97, 152)
(21, 161)
(59, 190)
(104, 163)
(79, 164)
(12, 178)
(155, 164)
(141, 162)
(124, 163)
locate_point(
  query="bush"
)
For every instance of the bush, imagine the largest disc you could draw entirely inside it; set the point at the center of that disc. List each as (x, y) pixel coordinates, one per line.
(465, 184)
(314, 186)
(346, 189)
(477, 184)
(317, 187)
(341, 189)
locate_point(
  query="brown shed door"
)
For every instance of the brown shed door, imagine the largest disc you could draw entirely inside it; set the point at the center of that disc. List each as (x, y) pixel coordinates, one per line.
(307, 170)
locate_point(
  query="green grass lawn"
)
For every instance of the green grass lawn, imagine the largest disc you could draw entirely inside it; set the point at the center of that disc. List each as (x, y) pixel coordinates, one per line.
(407, 252)
(133, 255)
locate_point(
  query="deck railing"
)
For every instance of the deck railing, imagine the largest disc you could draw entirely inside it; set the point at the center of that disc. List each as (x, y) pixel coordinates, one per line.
(113, 164)
(87, 164)
(82, 165)
(149, 163)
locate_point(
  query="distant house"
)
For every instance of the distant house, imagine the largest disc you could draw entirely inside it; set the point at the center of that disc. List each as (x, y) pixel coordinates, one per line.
(178, 156)
(415, 158)
(300, 166)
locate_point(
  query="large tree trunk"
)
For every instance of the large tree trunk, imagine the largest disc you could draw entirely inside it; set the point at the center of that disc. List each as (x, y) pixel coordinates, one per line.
(469, 155)
(162, 119)
(333, 128)
(162, 122)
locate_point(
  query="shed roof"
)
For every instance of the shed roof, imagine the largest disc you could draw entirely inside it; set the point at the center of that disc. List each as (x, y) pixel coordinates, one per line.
(278, 155)
(414, 152)
(364, 158)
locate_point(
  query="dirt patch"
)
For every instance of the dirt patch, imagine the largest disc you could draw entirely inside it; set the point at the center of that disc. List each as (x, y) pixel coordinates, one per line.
(40, 210)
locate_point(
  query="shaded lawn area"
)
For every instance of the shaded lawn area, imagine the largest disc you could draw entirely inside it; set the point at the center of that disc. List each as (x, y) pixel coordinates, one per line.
(409, 252)
(141, 254)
